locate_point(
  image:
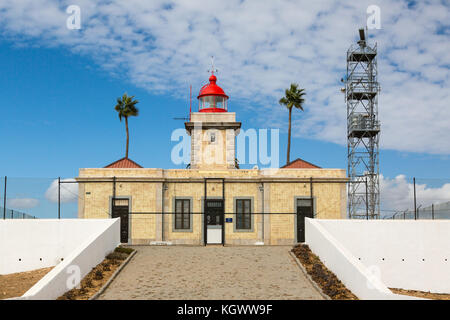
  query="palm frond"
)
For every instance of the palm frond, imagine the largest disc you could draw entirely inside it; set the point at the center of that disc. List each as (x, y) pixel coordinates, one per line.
(293, 97)
(126, 106)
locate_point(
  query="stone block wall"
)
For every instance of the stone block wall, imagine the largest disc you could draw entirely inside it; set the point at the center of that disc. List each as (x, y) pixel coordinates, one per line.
(152, 191)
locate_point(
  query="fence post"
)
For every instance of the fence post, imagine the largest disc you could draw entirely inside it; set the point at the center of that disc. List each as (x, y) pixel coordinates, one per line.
(415, 207)
(367, 201)
(311, 196)
(4, 200)
(114, 189)
(59, 197)
(12, 214)
(432, 211)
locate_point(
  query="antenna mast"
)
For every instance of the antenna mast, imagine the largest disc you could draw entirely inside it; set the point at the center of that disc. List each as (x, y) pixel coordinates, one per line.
(363, 128)
(213, 69)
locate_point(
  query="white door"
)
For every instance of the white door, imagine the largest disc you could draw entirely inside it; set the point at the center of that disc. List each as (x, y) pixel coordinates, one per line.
(214, 235)
(214, 221)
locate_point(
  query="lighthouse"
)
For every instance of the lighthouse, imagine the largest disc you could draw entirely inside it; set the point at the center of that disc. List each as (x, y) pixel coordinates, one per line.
(212, 202)
(213, 129)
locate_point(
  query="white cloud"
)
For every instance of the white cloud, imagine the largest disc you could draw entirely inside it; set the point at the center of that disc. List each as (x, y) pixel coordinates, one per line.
(68, 191)
(260, 48)
(22, 203)
(398, 194)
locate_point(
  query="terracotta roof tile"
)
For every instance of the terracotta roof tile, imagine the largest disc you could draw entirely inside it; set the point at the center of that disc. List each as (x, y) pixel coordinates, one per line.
(124, 163)
(300, 164)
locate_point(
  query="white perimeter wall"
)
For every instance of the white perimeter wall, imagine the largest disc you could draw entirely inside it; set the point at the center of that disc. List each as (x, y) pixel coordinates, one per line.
(81, 243)
(404, 254)
(38, 243)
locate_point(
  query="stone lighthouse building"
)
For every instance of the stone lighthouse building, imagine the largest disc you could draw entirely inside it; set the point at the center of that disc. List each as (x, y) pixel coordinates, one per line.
(213, 130)
(212, 201)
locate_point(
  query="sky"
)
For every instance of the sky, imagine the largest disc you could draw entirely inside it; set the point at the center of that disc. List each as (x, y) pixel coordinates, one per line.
(59, 85)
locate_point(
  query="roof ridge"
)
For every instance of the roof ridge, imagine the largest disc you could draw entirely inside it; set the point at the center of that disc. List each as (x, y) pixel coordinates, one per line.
(300, 159)
(123, 159)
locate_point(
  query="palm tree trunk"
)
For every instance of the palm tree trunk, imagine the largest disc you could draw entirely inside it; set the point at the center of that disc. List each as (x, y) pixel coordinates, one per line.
(128, 137)
(289, 137)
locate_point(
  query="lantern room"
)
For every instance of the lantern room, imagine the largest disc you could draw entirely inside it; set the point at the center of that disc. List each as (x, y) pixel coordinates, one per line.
(212, 98)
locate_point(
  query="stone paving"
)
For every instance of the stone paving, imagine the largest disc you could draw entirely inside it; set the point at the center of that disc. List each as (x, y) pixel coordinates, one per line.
(212, 272)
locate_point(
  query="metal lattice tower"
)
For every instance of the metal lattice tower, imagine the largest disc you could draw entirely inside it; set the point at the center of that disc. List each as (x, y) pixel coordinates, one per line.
(363, 129)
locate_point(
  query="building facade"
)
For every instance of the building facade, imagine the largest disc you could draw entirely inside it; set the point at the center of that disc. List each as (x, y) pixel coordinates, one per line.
(213, 201)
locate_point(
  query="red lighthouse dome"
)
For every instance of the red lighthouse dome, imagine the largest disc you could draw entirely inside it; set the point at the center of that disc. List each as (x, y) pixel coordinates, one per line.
(212, 98)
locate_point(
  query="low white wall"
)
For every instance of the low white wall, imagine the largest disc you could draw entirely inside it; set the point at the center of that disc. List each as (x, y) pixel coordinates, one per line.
(78, 263)
(355, 276)
(407, 254)
(38, 243)
(370, 256)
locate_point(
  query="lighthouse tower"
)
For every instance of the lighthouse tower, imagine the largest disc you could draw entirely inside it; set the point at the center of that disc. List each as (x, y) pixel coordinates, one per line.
(212, 129)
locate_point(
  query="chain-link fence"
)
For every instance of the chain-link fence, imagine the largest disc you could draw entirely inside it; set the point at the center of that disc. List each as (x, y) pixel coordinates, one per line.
(14, 214)
(34, 197)
(401, 197)
(415, 198)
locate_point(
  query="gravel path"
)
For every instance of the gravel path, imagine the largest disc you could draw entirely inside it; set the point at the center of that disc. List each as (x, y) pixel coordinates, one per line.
(212, 272)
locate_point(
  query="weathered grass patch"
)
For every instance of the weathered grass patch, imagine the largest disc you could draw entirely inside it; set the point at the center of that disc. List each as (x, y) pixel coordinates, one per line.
(327, 280)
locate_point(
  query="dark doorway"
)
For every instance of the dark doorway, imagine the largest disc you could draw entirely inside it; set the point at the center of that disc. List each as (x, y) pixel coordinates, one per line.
(120, 209)
(304, 209)
(214, 213)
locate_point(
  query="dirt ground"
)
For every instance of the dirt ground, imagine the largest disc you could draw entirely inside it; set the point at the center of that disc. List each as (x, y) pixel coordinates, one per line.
(90, 285)
(98, 276)
(422, 294)
(16, 284)
(326, 279)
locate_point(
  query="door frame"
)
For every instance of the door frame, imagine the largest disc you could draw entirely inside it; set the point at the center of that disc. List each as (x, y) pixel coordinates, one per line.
(206, 198)
(296, 215)
(129, 211)
(222, 227)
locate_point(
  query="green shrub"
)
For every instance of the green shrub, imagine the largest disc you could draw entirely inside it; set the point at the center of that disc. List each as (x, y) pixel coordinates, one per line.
(89, 283)
(69, 295)
(83, 290)
(117, 256)
(98, 275)
(124, 250)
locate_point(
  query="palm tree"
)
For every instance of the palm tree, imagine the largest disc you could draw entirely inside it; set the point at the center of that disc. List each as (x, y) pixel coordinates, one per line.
(293, 98)
(126, 107)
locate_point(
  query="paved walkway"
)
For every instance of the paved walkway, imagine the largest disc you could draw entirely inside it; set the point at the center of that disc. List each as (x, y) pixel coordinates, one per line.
(183, 272)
